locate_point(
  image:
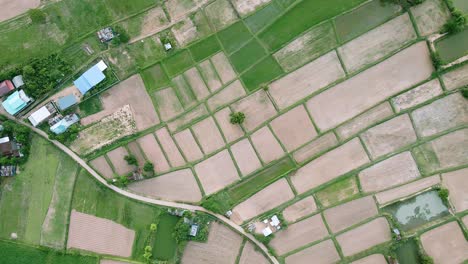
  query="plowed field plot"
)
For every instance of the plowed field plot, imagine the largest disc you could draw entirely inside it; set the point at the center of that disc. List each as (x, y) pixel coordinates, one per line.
(456, 78)
(178, 8)
(12, 9)
(406, 190)
(117, 158)
(350, 213)
(457, 184)
(210, 76)
(188, 145)
(226, 96)
(169, 147)
(183, 89)
(417, 96)
(208, 135)
(195, 81)
(183, 121)
(315, 147)
(266, 145)
(153, 153)
(223, 67)
(430, 16)
(245, 157)
(446, 244)
(257, 108)
(230, 131)
(102, 166)
(250, 254)
(300, 209)
(322, 253)
(372, 259)
(221, 14)
(135, 150)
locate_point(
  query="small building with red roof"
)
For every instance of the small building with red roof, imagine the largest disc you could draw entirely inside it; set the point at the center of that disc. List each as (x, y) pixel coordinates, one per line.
(6, 87)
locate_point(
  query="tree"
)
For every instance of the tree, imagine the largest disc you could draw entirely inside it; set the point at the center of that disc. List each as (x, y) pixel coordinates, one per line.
(148, 167)
(237, 118)
(436, 60)
(153, 227)
(444, 195)
(147, 255)
(456, 23)
(121, 36)
(37, 16)
(464, 92)
(131, 159)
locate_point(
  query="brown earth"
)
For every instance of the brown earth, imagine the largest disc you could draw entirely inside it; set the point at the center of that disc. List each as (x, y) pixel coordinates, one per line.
(223, 67)
(251, 255)
(208, 135)
(315, 147)
(169, 147)
(245, 157)
(406, 190)
(257, 108)
(228, 95)
(266, 145)
(417, 96)
(230, 131)
(457, 184)
(322, 253)
(300, 209)
(153, 152)
(14, 8)
(102, 166)
(188, 145)
(117, 156)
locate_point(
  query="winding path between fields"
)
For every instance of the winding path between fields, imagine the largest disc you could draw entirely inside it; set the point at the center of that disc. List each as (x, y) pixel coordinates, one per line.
(80, 161)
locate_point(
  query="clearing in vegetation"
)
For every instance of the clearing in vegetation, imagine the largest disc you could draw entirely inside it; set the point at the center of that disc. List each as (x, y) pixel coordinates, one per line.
(338, 191)
(247, 56)
(221, 14)
(261, 73)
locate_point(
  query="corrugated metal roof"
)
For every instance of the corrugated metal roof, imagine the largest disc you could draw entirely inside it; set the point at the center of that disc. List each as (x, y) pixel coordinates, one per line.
(66, 101)
(90, 78)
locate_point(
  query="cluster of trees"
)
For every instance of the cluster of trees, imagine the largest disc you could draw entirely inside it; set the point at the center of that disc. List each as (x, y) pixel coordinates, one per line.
(148, 167)
(37, 16)
(457, 21)
(121, 36)
(22, 135)
(237, 118)
(182, 229)
(66, 137)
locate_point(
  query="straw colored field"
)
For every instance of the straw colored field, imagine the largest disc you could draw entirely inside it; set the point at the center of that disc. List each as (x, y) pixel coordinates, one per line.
(228, 94)
(457, 185)
(430, 16)
(145, 24)
(406, 190)
(300, 209)
(223, 67)
(322, 253)
(250, 254)
(417, 96)
(446, 244)
(178, 8)
(456, 78)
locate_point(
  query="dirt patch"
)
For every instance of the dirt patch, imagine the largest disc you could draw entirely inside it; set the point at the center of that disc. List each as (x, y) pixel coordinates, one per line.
(222, 246)
(154, 21)
(441, 115)
(185, 32)
(195, 81)
(188, 145)
(350, 213)
(208, 135)
(245, 7)
(372, 259)
(457, 183)
(229, 94)
(264, 200)
(209, 74)
(325, 168)
(245, 157)
(231, 132)
(153, 153)
(174, 186)
(116, 156)
(95, 234)
(300, 209)
(389, 136)
(306, 80)
(136, 151)
(465, 221)
(430, 16)
(337, 192)
(167, 103)
(223, 67)
(266, 145)
(169, 147)
(257, 108)
(446, 244)
(370, 234)
(388, 78)
(221, 14)
(406, 190)
(11, 9)
(417, 96)
(178, 8)
(299, 234)
(216, 172)
(294, 128)
(100, 164)
(322, 253)
(184, 120)
(250, 254)
(456, 78)
(315, 147)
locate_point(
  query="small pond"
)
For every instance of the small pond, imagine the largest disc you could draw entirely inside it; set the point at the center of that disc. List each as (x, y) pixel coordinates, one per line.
(407, 252)
(418, 210)
(165, 246)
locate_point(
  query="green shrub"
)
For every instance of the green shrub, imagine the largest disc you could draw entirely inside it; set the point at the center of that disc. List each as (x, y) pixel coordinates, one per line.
(237, 118)
(37, 16)
(464, 92)
(121, 36)
(131, 159)
(436, 60)
(444, 195)
(456, 23)
(425, 259)
(120, 181)
(263, 239)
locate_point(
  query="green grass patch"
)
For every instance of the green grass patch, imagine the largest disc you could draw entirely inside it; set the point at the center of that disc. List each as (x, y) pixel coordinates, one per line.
(182, 88)
(165, 245)
(453, 47)
(178, 63)
(155, 78)
(301, 17)
(122, 62)
(77, 56)
(285, 3)
(364, 18)
(90, 106)
(247, 56)
(338, 191)
(146, 52)
(205, 48)
(263, 17)
(234, 36)
(262, 73)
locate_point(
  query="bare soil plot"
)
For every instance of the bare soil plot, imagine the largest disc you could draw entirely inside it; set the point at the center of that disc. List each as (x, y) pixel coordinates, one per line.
(11, 9)
(391, 195)
(245, 157)
(257, 108)
(456, 78)
(299, 234)
(417, 96)
(221, 14)
(134, 148)
(185, 119)
(95, 234)
(131, 92)
(188, 145)
(153, 153)
(102, 166)
(245, 7)
(306, 80)
(441, 115)
(370, 234)
(216, 172)
(325, 168)
(268, 198)
(465, 221)
(315, 147)
(322, 253)
(229, 94)
(266, 145)
(350, 213)
(169, 147)
(153, 21)
(183, 90)
(167, 103)
(347, 99)
(446, 244)
(223, 67)
(457, 184)
(209, 74)
(178, 8)
(338, 191)
(222, 247)
(208, 135)
(174, 186)
(230, 131)
(366, 119)
(185, 32)
(430, 16)
(396, 170)
(372, 259)
(389, 136)
(116, 156)
(377, 43)
(196, 82)
(294, 128)
(300, 209)
(250, 254)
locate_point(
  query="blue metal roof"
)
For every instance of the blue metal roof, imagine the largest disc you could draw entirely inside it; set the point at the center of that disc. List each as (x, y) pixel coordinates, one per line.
(64, 124)
(66, 101)
(89, 79)
(14, 103)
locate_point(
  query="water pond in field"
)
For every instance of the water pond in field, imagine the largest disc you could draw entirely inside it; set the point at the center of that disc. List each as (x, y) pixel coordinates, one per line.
(407, 252)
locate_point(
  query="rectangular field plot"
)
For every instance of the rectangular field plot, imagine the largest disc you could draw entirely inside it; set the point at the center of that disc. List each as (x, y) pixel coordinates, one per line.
(250, 254)
(430, 16)
(263, 17)
(234, 36)
(208, 135)
(315, 147)
(185, 92)
(417, 95)
(167, 103)
(178, 63)
(221, 14)
(247, 56)
(197, 84)
(364, 18)
(184, 120)
(245, 7)
(338, 191)
(205, 48)
(456, 78)
(300, 209)
(178, 8)
(406, 190)
(210, 76)
(322, 253)
(116, 157)
(257, 108)
(223, 67)
(262, 73)
(457, 185)
(227, 95)
(453, 47)
(446, 244)
(153, 153)
(169, 147)
(155, 78)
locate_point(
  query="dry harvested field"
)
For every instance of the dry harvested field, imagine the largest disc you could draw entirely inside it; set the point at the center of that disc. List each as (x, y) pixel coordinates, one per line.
(294, 128)
(222, 247)
(216, 172)
(135, 149)
(456, 78)
(231, 132)
(446, 244)
(209, 74)
(306, 80)
(167, 103)
(99, 235)
(370, 234)
(153, 153)
(251, 255)
(377, 43)
(406, 190)
(389, 136)
(223, 67)
(131, 92)
(244, 7)
(417, 96)
(325, 168)
(188, 145)
(195, 81)
(457, 184)
(430, 16)
(179, 8)
(185, 32)
(174, 186)
(184, 120)
(441, 115)
(300, 209)
(221, 14)
(396, 170)
(350, 213)
(208, 135)
(322, 253)
(266, 145)
(116, 156)
(257, 108)
(154, 21)
(102, 166)
(245, 157)
(299, 234)
(372, 259)
(169, 147)
(315, 147)
(387, 78)
(11, 9)
(228, 95)
(270, 197)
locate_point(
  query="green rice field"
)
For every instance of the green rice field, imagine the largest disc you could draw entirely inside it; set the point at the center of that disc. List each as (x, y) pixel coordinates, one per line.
(261, 73)
(453, 47)
(155, 78)
(247, 56)
(233, 37)
(205, 48)
(178, 63)
(165, 245)
(263, 17)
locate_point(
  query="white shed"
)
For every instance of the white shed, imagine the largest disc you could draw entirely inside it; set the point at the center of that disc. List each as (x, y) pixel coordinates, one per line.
(18, 81)
(42, 114)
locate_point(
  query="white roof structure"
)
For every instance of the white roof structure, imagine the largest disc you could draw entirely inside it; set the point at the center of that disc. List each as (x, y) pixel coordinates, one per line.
(18, 81)
(39, 116)
(275, 221)
(101, 65)
(267, 231)
(4, 140)
(168, 46)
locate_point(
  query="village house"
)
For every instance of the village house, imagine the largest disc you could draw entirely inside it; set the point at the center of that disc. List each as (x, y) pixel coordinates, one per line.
(9, 148)
(16, 102)
(91, 77)
(64, 123)
(6, 87)
(42, 114)
(63, 103)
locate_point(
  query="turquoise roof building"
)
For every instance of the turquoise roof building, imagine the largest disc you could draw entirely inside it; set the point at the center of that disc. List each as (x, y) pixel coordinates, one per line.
(62, 125)
(16, 102)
